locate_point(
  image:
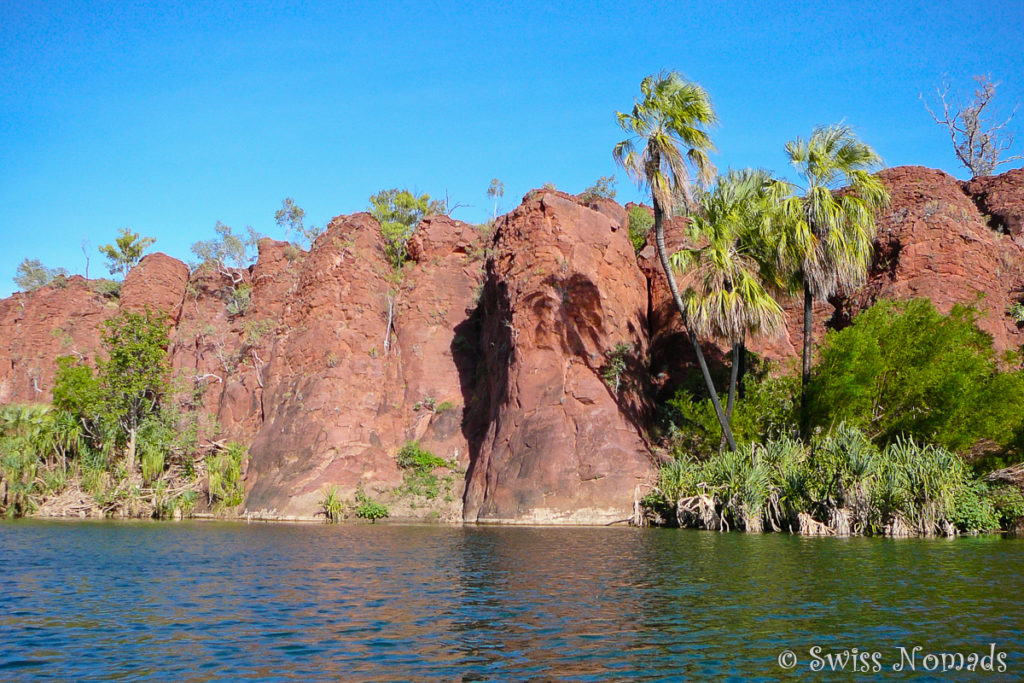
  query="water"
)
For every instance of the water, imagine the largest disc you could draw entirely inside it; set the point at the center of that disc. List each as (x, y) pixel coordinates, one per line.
(201, 601)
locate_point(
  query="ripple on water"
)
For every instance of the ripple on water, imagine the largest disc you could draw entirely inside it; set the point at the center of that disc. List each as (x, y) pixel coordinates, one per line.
(197, 601)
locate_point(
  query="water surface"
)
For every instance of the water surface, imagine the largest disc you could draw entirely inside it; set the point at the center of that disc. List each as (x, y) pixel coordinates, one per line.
(201, 601)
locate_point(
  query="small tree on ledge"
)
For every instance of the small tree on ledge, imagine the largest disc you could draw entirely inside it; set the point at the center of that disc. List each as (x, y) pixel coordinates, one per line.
(977, 140)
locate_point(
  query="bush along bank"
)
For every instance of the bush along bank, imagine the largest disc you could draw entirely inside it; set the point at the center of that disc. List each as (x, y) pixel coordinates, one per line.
(911, 413)
(114, 443)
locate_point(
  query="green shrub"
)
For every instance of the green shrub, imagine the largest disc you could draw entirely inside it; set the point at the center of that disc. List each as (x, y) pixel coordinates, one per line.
(902, 368)
(239, 298)
(768, 409)
(419, 478)
(413, 457)
(225, 487)
(367, 508)
(108, 289)
(332, 505)
(615, 366)
(640, 223)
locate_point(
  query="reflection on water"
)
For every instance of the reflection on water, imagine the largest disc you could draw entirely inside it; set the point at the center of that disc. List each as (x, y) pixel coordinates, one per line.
(199, 601)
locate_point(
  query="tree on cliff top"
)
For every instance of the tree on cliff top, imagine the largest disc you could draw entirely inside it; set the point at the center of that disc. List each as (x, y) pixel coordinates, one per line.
(977, 140)
(399, 212)
(291, 218)
(673, 115)
(126, 251)
(32, 274)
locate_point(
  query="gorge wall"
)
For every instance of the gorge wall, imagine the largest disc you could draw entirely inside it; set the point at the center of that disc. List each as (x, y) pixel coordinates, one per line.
(488, 350)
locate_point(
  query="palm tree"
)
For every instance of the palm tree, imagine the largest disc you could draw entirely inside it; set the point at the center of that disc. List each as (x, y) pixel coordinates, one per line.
(672, 115)
(828, 234)
(726, 297)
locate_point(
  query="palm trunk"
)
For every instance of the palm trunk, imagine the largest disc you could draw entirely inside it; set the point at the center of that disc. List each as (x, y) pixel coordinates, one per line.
(737, 349)
(659, 237)
(737, 353)
(806, 369)
(741, 391)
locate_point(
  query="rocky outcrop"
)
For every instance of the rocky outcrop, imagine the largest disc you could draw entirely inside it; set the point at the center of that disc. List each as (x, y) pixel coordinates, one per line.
(1000, 200)
(934, 243)
(63, 319)
(561, 446)
(328, 361)
(158, 283)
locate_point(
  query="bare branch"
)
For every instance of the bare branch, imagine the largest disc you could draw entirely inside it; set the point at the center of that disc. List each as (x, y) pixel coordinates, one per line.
(979, 143)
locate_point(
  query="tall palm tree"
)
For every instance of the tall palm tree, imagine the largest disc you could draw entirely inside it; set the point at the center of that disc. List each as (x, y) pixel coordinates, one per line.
(828, 235)
(727, 296)
(672, 115)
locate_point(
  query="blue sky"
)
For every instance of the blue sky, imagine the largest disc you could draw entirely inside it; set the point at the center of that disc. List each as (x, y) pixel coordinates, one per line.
(166, 117)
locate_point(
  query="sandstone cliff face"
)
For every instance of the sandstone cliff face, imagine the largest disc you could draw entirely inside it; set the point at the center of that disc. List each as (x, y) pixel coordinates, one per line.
(35, 328)
(934, 243)
(560, 444)
(336, 362)
(1000, 198)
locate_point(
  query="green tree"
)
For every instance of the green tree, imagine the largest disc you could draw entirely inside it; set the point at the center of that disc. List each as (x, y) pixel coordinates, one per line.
(603, 188)
(126, 251)
(228, 251)
(827, 235)
(672, 115)
(904, 369)
(399, 212)
(496, 190)
(291, 218)
(640, 223)
(134, 378)
(726, 297)
(32, 274)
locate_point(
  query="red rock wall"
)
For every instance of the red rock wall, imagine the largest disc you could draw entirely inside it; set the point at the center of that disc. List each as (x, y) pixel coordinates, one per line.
(510, 359)
(559, 446)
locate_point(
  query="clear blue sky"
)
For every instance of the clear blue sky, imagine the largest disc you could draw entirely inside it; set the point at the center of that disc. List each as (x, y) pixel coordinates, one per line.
(166, 117)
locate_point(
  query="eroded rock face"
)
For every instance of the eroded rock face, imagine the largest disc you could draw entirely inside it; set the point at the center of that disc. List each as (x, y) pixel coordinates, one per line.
(335, 362)
(158, 283)
(1001, 199)
(35, 328)
(560, 445)
(328, 398)
(933, 243)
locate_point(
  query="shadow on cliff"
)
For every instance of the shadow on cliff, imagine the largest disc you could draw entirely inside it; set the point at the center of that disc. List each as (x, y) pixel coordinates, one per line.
(482, 349)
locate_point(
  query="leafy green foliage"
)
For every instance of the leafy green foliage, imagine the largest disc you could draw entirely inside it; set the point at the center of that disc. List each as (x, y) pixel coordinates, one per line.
(616, 364)
(399, 212)
(419, 478)
(32, 274)
(1016, 311)
(902, 368)
(238, 299)
(126, 251)
(844, 483)
(496, 190)
(767, 409)
(228, 250)
(225, 487)
(603, 188)
(640, 223)
(134, 378)
(367, 508)
(291, 218)
(332, 505)
(109, 289)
